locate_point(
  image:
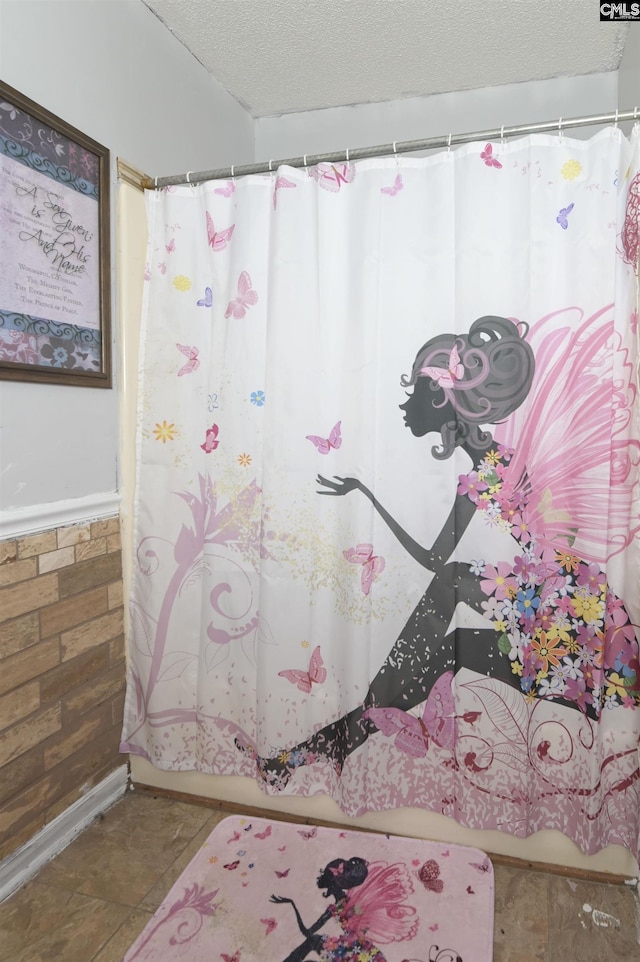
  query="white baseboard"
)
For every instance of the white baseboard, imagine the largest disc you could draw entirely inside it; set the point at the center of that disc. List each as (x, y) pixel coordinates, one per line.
(20, 522)
(23, 864)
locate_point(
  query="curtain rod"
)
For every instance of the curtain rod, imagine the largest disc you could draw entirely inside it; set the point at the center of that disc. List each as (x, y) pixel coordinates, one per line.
(403, 147)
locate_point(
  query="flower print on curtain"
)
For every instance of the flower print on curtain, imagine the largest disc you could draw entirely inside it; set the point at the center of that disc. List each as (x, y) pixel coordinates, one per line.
(388, 516)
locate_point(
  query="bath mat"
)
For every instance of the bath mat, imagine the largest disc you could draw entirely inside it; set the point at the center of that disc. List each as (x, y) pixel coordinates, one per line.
(278, 892)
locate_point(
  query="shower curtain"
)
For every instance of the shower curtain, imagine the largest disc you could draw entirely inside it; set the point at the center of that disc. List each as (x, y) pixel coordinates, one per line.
(388, 505)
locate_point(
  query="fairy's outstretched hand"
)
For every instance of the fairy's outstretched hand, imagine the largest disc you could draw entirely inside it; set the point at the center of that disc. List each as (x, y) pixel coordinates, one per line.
(338, 486)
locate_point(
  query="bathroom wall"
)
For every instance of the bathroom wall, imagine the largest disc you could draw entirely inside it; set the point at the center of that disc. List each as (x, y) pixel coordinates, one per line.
(112, 70)
(61, 672)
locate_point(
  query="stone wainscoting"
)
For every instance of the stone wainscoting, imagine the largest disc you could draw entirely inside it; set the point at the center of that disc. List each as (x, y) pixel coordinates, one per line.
(62, 672)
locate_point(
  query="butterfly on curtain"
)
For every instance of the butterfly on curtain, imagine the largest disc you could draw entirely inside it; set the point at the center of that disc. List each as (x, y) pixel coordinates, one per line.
(489, 159)
(393, 190)
(303, 680)
(372, 564)
(171, 246)
(246, 298)
(280, 183)
(211, 439)
(332, 176)
(324, 445)
(218, 240)
(412, 735)
(227, 190)
(563, 215)
(454, 372)
(193, 363)
(207, 300)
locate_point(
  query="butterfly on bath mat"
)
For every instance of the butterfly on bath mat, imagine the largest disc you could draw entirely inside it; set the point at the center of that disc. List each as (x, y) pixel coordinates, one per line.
(265, 834)
(484, 866)
(230, 958)
(207, 300)
(454, 372)
(193, 363)
(227, 190)
(282, 874)
(332, 176)
(489, 159)
(372, 564)
(271, 924)
(246, 298)
(218, 240)
(563, 215)
(412, 735)
(280, 183)
(324, 445)
(393, 190)
(311, 833)
(303, 680)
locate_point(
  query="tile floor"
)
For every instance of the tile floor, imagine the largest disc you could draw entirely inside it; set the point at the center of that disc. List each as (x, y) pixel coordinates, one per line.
(92, 900)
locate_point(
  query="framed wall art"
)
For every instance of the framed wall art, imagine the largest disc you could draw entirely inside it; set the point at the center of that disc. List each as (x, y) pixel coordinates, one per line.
(55, 298)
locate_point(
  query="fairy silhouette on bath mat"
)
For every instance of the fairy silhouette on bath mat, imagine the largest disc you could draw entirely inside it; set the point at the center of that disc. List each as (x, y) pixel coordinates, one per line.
(554, 629)
(370, 905)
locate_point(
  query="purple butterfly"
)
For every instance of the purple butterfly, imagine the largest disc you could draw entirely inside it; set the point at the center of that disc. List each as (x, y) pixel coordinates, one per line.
(563, 215)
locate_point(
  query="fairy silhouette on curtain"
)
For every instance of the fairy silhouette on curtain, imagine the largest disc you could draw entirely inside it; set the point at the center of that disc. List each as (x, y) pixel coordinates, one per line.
(370, 905)
(554, 628)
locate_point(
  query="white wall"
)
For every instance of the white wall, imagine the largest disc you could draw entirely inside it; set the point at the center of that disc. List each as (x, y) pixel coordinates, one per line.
(365, 125)
(111, 69)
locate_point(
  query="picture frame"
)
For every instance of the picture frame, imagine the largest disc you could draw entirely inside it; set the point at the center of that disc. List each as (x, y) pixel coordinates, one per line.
(55, 275)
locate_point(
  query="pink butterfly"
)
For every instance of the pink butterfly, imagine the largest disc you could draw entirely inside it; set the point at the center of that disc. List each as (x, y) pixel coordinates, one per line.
(282, 849)
(234, 838)
(447, 378)
(372, 564)
(412, 734)
(211, 439)
(162, 267)
(218, 240)
(230, 958)
(265, 834)
(227, 190)
(271, 924)
(304, 679)
(246, 297)
(171, 246)
(282, 874)
(280, 183)
(489, 159)
(310, 834)
(332, 176)
(207, 300)
(397, 186)
(324, 445)
(193, 363)
(232, 865)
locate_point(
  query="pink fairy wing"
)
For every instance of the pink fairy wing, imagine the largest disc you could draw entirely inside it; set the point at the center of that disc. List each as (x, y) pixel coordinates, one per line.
(439, 712)
(370, 571)
(444, 378)
(378, 909)
(456, 369)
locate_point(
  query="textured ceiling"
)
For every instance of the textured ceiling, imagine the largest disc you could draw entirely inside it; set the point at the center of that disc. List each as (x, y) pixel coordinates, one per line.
(278, 56)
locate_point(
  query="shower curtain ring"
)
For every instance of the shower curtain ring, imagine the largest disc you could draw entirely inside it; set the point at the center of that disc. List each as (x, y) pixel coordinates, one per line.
(346, 154)
(502, 134)
(304, 158)
(155, 183)
(615, 123)
(232, 170)
(270, 167)
(187, 176)
(449, 144)
(560, 128)
(394, 149)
